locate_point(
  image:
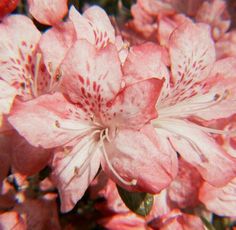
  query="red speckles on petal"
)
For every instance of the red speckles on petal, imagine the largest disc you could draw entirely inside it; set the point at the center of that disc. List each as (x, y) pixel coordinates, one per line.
(192, 55)
(81, 79)
(29, 58)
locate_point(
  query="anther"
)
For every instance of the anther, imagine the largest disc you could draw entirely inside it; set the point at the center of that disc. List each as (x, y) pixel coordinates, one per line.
(58, 75)
(57, 124)
(76, 171)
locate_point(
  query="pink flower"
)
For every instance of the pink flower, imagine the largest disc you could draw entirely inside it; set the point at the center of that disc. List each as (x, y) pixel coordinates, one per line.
(48, 12)
(97, 121)
(156, 20)
(199, 87)
(24, 77)
(22, 64)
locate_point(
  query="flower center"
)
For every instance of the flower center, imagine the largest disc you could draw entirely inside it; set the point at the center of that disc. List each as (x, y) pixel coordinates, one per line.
(88, 134)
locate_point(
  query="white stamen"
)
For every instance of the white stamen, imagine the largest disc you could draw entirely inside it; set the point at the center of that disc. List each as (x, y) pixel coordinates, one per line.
(107, 135)
(71, 126)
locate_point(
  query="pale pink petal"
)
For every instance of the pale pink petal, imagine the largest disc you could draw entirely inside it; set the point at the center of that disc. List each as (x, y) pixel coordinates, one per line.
(21, 62)
(192, 54)
(166, 26)
(6, 97)
(215, 14)
(48, 12)
(19, 38)
(94, 26)
(200, 150)
(91, 77)
(72, 173)
(134, 106)
(221, 85)
(25, 158)
(183, 190)
(126, 154)
(12, 220)
(228, 140)
(221, 201)
(54, 44)
(145, 61)
(53, 119)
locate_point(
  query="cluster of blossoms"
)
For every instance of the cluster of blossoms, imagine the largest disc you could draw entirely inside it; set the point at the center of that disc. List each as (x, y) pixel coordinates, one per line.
(149, 106)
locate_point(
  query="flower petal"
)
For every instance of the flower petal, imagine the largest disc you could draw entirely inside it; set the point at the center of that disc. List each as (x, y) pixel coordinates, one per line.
(91, 77)
(25, 158)
(48, 12)
(192, 54)
(200, 150)
(94, 26)
(6, 97)
(21, 64)
(127, 152)
(183, 190)
(220, 83)
(19, 38)
(54, 121)
(73, 173)
(55, 43)
(221, 201)
(134, 106)
(145, 61)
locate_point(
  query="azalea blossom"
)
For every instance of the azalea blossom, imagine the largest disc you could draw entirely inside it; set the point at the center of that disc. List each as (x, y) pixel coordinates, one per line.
(156, 20)
(23, 76)
(199, 87)
(22, 66)
(96, 121)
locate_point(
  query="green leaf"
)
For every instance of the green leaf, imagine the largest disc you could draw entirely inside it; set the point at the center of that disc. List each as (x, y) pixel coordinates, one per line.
(139, 202)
